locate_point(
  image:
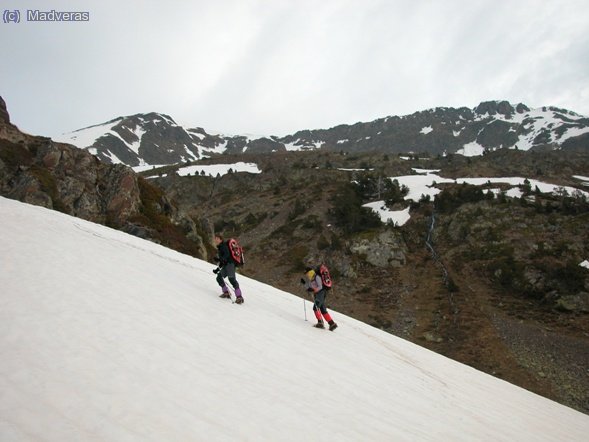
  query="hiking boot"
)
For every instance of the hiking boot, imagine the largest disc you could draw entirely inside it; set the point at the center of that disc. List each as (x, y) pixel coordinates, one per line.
(319, 325)
(224, 295)
(239, 300)
(332, 326)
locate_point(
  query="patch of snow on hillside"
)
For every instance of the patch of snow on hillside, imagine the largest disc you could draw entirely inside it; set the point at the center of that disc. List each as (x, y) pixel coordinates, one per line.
(194, 133)
(582, 178)
(168, 120)
(518, 181)
(398, 217)
(419, 185)
(86, 137)
(113, 158)
(353, 170)
(191, 156)
(585, 264)
(145, 167)
(425, 184)
(426, 130)
(425, 171)
(298, 146)
(139, 131)
(535, 122)
(514, 192)
(294, 146)
(573, 132)
(219, 169)
(471, 149)
(218, 149)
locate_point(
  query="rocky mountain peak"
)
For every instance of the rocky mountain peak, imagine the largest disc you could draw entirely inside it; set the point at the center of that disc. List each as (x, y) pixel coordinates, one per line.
(496, 107)
(155, 138)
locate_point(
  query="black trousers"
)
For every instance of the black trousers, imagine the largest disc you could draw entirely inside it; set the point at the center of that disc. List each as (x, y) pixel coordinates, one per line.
(319, 303)
(227, 271)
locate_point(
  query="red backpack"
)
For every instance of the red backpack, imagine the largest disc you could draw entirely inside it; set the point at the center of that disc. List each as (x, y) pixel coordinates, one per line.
(323, 271)
(236, 252)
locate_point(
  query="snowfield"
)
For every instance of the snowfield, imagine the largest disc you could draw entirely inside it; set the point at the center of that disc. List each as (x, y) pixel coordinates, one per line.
(106, 337)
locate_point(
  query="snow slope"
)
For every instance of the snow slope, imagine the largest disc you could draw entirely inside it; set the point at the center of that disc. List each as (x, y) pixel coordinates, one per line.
(106, 337)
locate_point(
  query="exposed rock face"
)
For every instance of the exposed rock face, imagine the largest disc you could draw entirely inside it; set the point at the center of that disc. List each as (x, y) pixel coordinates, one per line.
(260, 145)
(71, 180)
(9, 131)
(4, 117)
(574, 303)
(58, 176)
(386, 250)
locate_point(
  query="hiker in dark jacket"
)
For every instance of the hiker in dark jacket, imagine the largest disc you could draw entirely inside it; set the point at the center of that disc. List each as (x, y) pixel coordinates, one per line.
(314, 285)
(226, 269)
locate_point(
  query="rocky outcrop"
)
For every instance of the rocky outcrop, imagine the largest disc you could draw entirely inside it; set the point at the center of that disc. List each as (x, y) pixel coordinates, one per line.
(9, 131)
(240, 144)
(71, 180)
(59, 176)
(574, 303)
(4, 117)
(385, 250)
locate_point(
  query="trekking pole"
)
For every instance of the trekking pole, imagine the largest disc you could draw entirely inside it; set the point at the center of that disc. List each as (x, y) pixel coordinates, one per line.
(304, 299)
(311, 300)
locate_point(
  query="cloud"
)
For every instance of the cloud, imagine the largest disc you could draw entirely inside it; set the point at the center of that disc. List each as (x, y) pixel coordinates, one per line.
(277, 67)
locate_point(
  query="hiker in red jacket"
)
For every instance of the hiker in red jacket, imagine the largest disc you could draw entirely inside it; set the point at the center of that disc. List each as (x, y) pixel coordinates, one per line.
(314, 285)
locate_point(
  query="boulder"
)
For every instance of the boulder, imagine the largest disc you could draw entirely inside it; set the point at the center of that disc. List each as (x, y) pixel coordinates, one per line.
(578, 303)
(385, 250)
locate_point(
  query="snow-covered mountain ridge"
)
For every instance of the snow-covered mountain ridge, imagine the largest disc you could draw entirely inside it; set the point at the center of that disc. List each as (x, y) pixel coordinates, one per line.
(119, 339)
(156, 139)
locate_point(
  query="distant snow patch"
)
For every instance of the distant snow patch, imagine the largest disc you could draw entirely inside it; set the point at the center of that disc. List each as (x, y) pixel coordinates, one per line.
(426, 130)
(220, 148)
(425, 171)
(472, 149)
(145, 167)
(582, 178)
(219, 169)
(353, 170)
(398, 217)
(87, 137)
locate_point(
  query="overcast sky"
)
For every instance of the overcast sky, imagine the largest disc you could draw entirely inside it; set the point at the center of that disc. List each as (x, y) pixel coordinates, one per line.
(274, 67)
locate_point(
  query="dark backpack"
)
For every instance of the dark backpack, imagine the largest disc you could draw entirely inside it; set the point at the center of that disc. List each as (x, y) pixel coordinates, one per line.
(323, 271)
(236, 252)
